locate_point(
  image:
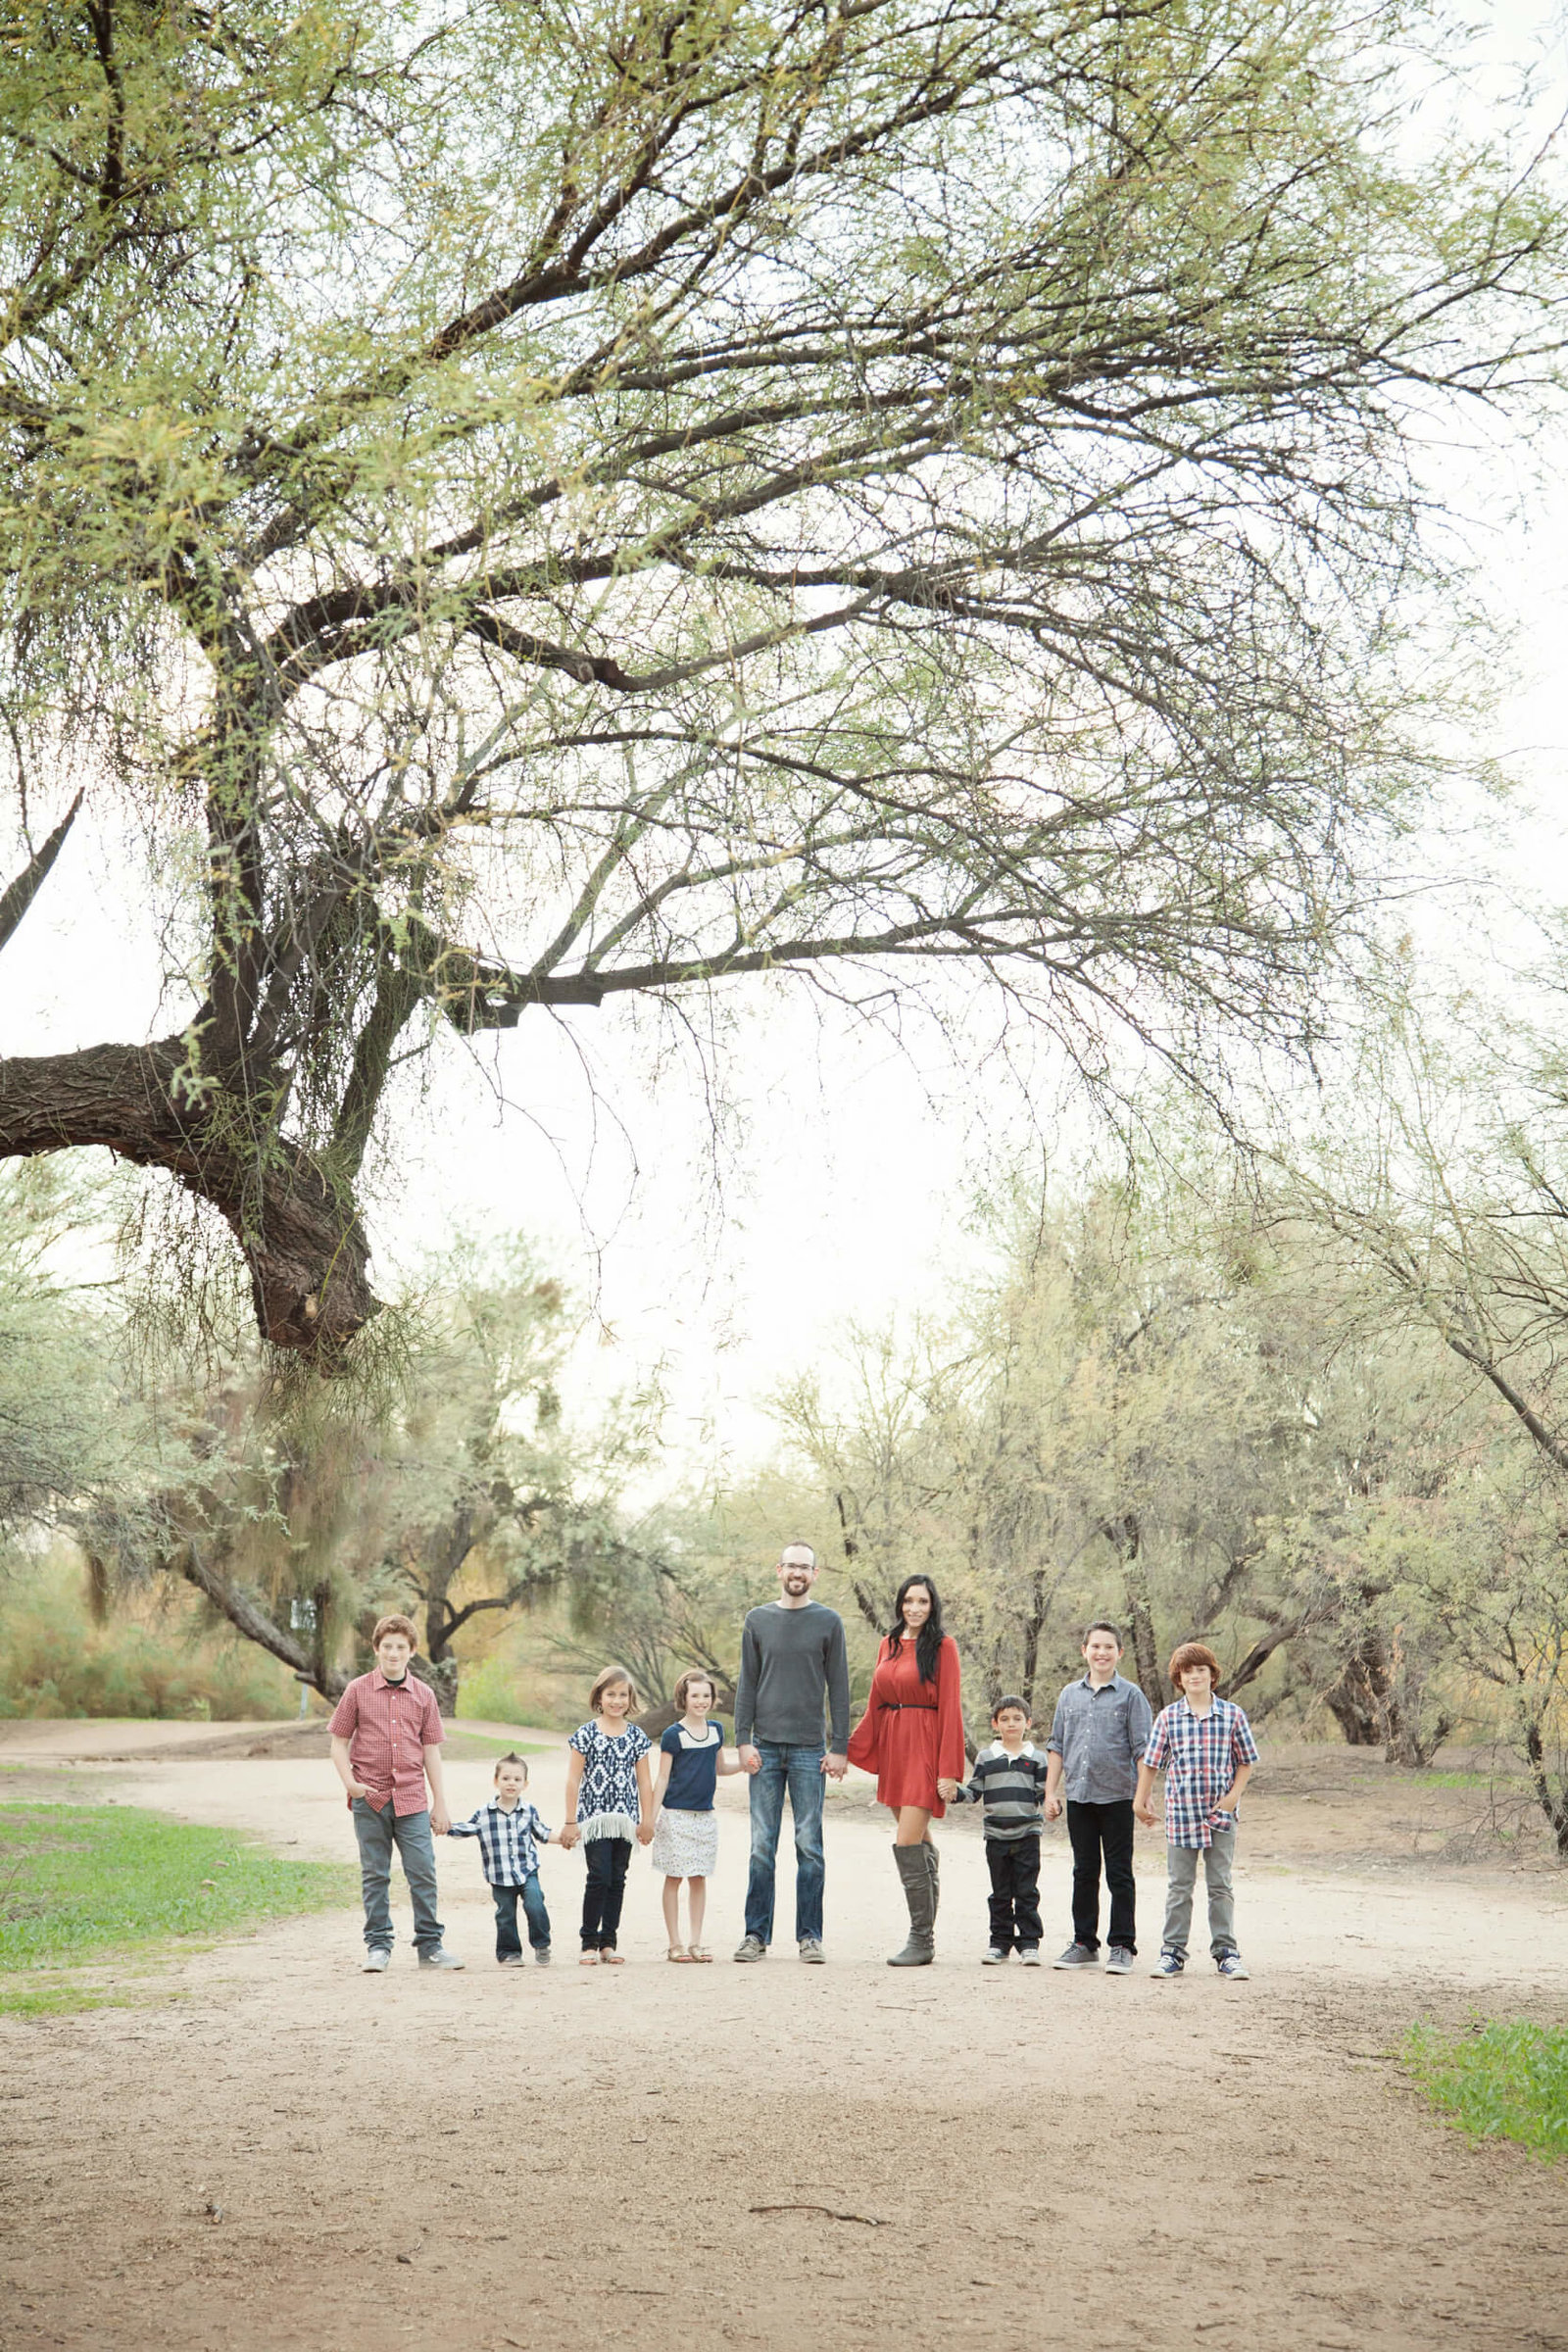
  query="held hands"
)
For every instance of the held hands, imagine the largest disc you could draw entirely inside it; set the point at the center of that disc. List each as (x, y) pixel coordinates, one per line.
(441, 1820)
(834, 1766)
(645, 1832)
(751, 1761)
(947, 1789)
(1146, 1813)
(1053, 1808)
(570, 1835)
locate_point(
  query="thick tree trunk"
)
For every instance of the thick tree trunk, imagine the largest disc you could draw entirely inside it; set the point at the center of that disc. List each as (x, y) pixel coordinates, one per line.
(302, 1240)
(1362, 1701)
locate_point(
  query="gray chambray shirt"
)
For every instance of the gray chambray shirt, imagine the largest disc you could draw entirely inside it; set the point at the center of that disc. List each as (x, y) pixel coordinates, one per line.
(1100, 1737)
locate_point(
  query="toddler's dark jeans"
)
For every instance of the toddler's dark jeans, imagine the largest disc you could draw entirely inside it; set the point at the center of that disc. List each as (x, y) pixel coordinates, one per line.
(606, 1859)
(1014, 1892)
(508, 1944)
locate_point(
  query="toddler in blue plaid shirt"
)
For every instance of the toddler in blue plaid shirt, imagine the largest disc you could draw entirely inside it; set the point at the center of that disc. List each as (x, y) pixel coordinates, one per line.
(510, 1835)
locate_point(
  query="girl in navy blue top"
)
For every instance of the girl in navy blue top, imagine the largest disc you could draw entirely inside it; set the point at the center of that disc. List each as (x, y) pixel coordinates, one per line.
(692, 1755)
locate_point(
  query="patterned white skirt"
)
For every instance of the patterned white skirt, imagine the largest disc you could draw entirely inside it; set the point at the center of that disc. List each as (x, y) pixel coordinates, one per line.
(685, 1844)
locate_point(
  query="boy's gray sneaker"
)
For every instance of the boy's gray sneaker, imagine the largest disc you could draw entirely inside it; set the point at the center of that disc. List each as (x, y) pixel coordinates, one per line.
(541, 1958)
(440, 1958)
(1029, 1954)
(1232, 1964)
(994, 1958)
(1169, 1964)
(1077, 1955)
(376, 1959)
(512, 1960)
(810, 1949)
(750, 1948)
(1118, 1961)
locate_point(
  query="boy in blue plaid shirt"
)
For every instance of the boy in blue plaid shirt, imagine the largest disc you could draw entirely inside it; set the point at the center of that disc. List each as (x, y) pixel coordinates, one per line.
(1204, 1745)
(510, 1833)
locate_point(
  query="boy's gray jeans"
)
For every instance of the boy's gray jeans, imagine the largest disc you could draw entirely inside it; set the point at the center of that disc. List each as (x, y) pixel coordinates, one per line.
(1219, 1869)
(378, 1834)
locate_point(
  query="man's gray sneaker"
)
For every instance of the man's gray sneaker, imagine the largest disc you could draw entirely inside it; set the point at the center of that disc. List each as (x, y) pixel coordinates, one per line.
(440, 1958)
(376, 1959)
(1118, 1961)
(1029, 1954)
(991, 1959)
(541, 1958)
(1232, 1964)
(1077, 1955)
(752, 1947)
(810, 1949)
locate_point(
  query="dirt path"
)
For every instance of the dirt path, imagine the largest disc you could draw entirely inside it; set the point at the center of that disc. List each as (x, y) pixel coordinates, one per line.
(550, 2158)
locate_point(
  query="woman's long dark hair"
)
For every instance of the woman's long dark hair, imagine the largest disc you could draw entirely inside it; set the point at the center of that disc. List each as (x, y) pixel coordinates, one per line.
(928, 1640)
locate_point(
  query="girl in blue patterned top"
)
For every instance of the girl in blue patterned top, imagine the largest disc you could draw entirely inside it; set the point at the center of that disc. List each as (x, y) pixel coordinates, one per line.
(610, 1796)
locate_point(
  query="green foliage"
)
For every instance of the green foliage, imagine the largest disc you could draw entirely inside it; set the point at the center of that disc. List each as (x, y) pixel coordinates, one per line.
(85, 1885)
(57, 1660)
(533, 502)
(1497, 2081)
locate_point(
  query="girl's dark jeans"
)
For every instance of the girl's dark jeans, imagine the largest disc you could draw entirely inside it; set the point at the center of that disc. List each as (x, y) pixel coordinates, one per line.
(606, 1859)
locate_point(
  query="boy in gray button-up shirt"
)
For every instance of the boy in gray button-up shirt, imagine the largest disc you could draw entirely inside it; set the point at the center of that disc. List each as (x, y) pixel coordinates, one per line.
(1097, 1736)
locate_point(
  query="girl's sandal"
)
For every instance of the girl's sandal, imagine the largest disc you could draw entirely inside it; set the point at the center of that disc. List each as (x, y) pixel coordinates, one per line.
(587, 1959)
(678, 1951)
(613, 1959)
(699, 1951)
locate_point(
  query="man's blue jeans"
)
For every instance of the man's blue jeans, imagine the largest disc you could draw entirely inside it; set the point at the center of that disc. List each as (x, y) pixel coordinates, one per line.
(508, 1944)
(800, 1771)
(378, 1834)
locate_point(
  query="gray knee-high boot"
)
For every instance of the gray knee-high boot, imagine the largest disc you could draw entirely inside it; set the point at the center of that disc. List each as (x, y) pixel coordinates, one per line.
(916, 1874)
(934, 1866)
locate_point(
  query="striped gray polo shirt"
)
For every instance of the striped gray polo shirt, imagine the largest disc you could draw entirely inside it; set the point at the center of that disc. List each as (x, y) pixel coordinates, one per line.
(1009, 1788)
(1100, 1737)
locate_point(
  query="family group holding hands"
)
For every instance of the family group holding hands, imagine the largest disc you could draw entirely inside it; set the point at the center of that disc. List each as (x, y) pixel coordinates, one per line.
(792, 1734)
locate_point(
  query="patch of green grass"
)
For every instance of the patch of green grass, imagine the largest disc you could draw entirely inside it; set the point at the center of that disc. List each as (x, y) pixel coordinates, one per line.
(86, 1884)
(1497, 2081)
(1467, 1779)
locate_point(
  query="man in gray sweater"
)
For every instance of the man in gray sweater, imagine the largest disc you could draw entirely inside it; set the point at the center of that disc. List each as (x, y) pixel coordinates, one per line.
(792, 1660)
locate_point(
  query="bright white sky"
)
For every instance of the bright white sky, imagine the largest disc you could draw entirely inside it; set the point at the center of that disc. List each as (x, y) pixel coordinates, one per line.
(846, 1163)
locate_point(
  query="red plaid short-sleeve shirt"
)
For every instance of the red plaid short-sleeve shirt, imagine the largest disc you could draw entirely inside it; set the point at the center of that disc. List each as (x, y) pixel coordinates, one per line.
(389, 1727)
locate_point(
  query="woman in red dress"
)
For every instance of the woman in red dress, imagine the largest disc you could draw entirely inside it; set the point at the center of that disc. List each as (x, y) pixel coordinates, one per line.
(912, 1736)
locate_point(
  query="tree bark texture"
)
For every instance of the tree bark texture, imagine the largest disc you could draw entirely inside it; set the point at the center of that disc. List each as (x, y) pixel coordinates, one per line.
(303, 1241)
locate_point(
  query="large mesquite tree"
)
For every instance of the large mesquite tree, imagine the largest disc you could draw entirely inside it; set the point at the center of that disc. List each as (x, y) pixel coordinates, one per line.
(513, 501)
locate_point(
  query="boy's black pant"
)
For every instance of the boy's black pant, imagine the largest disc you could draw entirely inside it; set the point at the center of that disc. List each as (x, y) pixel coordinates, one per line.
(1093, 1830)
(1015, 1892)
(602, 1897)
(509, 1945)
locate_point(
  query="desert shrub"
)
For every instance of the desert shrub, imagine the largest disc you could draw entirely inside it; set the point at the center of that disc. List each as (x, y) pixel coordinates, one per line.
(55, 1660)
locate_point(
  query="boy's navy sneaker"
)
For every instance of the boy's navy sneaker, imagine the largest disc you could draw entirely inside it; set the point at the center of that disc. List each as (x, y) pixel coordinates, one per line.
(1118, 1961)
(1232, 1964)
(1169, 1964)
(1077, 1955)
(994, 1958)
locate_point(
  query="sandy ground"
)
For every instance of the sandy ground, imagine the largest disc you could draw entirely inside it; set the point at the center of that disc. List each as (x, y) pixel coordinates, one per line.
(291, 2154)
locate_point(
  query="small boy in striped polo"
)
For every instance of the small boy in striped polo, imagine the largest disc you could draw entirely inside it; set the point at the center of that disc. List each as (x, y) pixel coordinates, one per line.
(1007, 1783)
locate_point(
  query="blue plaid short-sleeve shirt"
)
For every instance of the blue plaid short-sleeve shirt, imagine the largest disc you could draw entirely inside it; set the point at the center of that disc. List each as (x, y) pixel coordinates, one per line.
(1198, 1754)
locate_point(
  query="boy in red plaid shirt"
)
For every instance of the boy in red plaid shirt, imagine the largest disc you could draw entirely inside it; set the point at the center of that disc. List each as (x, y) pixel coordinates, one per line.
(1206, 1746)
